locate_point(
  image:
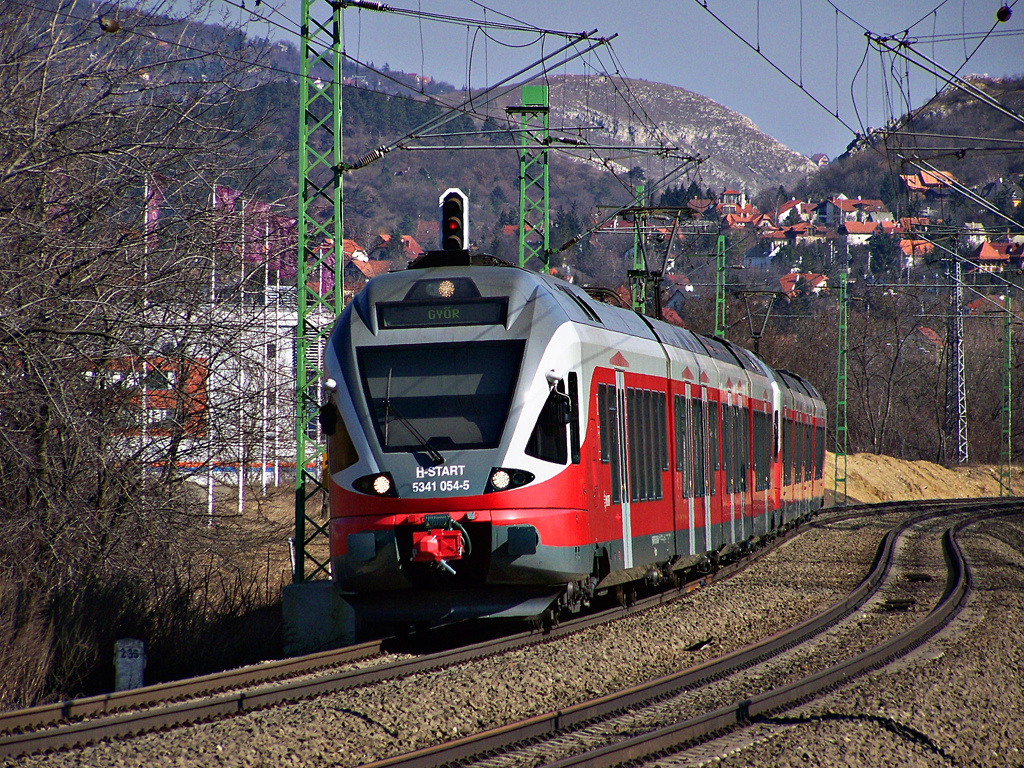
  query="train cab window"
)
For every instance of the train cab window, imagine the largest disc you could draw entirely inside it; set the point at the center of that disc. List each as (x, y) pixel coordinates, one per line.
(548, 440)
(441, 396)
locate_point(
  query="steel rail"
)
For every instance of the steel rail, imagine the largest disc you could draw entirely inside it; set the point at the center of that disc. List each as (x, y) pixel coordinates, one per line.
(553, 723)
(671, 739)
(82, 721)
(152, 695)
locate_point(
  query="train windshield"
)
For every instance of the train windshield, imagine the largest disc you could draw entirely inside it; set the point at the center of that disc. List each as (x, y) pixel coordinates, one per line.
(431, 397)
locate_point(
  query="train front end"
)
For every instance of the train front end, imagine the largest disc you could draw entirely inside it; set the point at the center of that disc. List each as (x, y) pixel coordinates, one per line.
(451, 490)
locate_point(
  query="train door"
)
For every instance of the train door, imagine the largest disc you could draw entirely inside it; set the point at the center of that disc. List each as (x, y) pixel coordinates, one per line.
(775, 483)
(703, 437)
(682, 491)
(619, 462)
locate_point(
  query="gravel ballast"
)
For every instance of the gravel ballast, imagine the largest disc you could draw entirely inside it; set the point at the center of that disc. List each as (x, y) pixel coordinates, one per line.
(805, 575)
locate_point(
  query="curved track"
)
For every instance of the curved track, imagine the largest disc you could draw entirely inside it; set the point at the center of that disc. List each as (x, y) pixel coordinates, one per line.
(85, 721)
(587, 728)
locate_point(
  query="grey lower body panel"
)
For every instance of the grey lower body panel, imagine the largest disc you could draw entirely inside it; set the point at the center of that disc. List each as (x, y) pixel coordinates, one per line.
(446, 606)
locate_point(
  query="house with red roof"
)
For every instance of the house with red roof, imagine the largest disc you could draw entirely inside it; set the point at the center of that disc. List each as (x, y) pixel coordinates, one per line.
(924, 182)
(793, 211)
(842, 209)
(859, 232)
(915, 249)
(995, 257)
(795, 284)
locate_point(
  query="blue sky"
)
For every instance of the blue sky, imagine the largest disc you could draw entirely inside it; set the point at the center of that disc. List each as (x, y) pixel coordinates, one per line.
(679, 42)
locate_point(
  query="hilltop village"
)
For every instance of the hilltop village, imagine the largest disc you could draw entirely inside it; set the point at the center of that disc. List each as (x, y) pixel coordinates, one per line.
(800, 240)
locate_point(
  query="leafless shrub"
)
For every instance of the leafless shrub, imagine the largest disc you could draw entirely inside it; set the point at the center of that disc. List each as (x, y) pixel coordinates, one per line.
(101, 527)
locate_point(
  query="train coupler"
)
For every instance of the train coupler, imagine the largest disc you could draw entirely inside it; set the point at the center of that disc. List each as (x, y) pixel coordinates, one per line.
(437, 545)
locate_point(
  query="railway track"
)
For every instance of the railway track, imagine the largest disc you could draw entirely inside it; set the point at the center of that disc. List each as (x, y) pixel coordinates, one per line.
(119, 715)
(593, 729)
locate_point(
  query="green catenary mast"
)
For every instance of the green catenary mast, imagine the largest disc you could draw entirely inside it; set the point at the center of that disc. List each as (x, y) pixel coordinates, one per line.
(320, 254)
(534, 212)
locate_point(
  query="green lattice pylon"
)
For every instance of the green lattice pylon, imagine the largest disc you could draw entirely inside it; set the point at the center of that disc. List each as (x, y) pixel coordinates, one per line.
(320, 253)
(720, 288)
(1006, 443)
(534, 211)
(638, 274)
(842, 446)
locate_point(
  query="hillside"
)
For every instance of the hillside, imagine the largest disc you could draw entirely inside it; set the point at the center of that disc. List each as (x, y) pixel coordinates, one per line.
(738, 154)
(402, 188)
(955, 132)
(872, 479)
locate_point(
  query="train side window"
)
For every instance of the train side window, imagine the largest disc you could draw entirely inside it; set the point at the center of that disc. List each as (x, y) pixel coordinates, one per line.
(798, 453)
(819, 451)
(715, 457)
(650, 455)
(808, 455)
(548, 440)
(743, 428)
(659, 458)
(679, 426)
(787, 452)
(727, 455)
(614, 451)
(757, 454)
(632, 428)
(682, 443)
(663, 430)
(697, 483)
(604, 421)
(574, 424)
(643, 399)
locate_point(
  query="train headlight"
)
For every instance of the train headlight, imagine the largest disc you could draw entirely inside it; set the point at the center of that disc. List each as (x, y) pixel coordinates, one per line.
(380, 484)
(446, 289)
(502, 479)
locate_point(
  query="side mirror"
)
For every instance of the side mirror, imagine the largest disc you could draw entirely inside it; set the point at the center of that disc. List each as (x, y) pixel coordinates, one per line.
(563, 408)
(328, 418)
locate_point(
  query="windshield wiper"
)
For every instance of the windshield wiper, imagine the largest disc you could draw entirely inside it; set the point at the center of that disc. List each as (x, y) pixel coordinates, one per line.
(390, 410)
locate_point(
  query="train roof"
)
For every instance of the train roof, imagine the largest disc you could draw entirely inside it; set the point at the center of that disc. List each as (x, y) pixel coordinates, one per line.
(581, 307)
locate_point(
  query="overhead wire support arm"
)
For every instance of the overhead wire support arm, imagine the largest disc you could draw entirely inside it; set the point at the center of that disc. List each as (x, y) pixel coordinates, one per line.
(900, 48)
(473, 103)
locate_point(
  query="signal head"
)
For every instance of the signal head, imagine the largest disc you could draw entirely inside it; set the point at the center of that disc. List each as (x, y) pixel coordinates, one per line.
(454, 229)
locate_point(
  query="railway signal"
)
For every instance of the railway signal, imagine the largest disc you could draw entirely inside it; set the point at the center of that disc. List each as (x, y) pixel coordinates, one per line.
(454, 205)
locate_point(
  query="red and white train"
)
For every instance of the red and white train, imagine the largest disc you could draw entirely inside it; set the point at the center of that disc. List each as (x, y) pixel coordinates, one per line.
(501, 444)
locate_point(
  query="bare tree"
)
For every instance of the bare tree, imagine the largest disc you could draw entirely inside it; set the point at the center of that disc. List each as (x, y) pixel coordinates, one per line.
(113, 133)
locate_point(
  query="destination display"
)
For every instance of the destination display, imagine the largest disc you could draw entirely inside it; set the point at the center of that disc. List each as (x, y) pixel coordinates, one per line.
(431, 314)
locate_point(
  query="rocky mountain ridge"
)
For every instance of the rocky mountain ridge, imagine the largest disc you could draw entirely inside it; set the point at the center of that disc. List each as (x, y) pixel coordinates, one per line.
(735, 152)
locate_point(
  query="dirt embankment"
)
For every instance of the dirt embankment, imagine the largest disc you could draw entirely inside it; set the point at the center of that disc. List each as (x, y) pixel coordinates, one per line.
(871, 479)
